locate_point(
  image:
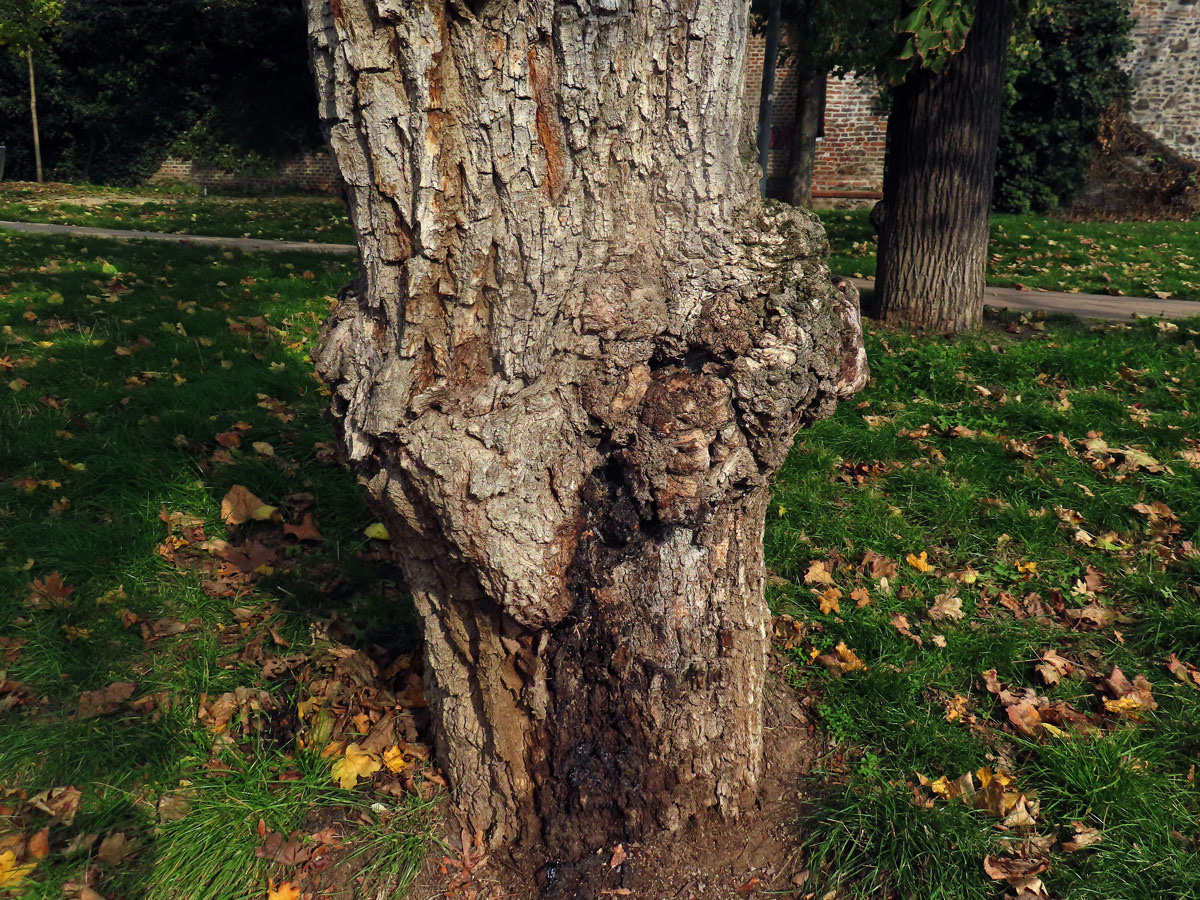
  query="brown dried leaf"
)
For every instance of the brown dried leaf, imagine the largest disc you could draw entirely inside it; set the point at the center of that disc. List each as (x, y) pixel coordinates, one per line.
(106, 700)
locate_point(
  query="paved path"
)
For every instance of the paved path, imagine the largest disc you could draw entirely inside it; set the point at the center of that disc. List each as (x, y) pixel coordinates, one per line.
(184, 239)
(1086, 306)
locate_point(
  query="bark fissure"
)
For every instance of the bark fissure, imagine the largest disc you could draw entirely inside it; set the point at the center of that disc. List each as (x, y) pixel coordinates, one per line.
(577, 350)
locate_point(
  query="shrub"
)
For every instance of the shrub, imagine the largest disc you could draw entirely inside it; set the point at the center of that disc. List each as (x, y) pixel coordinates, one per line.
(1064, 70)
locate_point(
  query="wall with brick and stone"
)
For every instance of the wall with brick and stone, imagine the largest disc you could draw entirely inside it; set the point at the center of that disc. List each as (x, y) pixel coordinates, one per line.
(849, 167)
(1165, 66)
(312, 171)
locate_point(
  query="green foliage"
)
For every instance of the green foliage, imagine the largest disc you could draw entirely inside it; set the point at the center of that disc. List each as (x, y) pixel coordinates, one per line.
(22, 22)
(928, 35)
(1064, 70)
(121, 82)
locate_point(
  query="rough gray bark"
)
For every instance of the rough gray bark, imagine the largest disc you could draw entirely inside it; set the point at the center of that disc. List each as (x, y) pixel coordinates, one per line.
(937, 185)
(577, 350)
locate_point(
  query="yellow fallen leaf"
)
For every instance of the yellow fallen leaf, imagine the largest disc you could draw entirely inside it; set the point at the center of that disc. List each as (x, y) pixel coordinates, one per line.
(285, 891)
(829, 601)
(357, 763)
(1026, 567)
(11, 875)
(394, 759)
(376, 532)
(849, 659)
(239, 505)
(920, 563)
(74, 467)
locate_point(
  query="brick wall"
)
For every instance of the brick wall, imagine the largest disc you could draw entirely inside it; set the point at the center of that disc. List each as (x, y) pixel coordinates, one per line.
(849, 165)
(1165, 65)
(307, 172)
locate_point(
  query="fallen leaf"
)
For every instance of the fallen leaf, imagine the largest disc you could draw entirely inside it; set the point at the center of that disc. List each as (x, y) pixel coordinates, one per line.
(239, 505)
(59, 803)
(1185, 672)
(114, 848)
(920, 563)
(39, 844)
(1006, 869)
(946, 606)
(618, 856)
(11, 875)
(376, 531)
(1084, 837)
(861, 597)
(1053, 668)
(900, 623)
(818, 573)
(104, 701)
(285, 891)
(356, 764)
(305, 531)
(393, 758)
(830, 601)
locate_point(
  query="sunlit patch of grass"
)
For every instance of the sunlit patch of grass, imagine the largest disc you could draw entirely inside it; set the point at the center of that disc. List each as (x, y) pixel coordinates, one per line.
(300, 217)
(131, 359)
(983, 501)
(1136, 259)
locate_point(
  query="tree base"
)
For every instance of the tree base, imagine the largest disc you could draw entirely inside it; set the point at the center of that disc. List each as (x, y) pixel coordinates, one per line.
(709, 859)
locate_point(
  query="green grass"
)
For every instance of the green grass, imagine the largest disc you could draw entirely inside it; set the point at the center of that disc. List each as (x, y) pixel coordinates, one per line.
(120, 363)
(1136, 259)
(987, 503)
(301, 217)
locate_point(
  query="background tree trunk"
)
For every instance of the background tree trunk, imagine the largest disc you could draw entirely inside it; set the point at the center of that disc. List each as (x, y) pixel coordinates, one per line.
(576, 351)
(937, 185)
(810, 108)
(37, 137)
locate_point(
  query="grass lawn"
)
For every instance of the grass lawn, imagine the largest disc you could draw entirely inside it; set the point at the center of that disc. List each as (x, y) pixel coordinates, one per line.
(966, 553)
(185, 668)
(184, 688)
(175, 210)
(1135, 259)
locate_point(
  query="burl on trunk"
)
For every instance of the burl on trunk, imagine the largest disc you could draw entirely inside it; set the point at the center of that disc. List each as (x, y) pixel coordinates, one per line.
(577, 349)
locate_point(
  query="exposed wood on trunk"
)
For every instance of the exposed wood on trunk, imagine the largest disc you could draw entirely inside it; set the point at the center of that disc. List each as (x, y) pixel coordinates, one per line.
(577, 350)
(937, 185)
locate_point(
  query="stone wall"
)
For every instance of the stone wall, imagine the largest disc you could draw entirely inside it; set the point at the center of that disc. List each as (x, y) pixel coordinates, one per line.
(307, 172)
(1165, 66)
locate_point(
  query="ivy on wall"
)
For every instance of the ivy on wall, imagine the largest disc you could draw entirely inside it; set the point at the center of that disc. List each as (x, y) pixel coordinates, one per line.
(1064, 71)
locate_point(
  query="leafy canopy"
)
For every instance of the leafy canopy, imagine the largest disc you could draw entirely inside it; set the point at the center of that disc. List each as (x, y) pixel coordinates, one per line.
(23, 21)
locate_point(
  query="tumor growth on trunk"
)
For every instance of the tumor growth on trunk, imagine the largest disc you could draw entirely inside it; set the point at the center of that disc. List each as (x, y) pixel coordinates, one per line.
(577, 350)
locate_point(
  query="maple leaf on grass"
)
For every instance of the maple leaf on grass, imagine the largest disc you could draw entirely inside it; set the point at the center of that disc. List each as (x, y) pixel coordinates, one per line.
(51, 591)
(285, 891)
(357, 763)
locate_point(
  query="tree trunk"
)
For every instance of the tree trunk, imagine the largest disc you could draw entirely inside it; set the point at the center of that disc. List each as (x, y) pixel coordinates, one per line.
(577, 349)
(937, 185)
(810, 108)
(37, 138)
